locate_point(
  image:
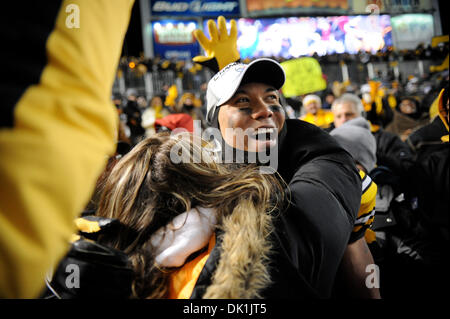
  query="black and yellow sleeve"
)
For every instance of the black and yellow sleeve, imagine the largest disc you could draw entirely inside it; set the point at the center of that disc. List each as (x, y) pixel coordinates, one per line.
(57, 127)
(366, 213)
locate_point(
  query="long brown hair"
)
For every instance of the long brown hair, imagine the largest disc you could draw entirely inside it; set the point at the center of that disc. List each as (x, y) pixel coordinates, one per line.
(146, 190)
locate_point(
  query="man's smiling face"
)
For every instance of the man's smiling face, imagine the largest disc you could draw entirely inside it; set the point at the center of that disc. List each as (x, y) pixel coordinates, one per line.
(251, 119)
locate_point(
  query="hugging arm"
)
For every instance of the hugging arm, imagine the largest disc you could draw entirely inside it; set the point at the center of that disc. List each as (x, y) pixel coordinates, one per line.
(326, 195)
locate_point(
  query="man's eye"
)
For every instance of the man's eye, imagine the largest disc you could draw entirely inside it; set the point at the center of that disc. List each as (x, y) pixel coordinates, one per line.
(242, 100)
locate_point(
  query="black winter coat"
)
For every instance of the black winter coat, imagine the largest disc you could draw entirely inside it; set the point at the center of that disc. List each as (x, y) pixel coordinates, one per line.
(428, 134)
(310, 237)
(393, 153)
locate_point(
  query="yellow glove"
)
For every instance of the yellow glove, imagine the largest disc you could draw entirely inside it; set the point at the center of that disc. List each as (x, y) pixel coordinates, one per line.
(221, 50)
(172, 94)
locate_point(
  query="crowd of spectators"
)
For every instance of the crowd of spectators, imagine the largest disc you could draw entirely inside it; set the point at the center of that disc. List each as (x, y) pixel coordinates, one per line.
(398, 113)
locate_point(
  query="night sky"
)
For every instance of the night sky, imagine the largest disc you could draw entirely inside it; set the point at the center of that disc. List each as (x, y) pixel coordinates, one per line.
(132, 45)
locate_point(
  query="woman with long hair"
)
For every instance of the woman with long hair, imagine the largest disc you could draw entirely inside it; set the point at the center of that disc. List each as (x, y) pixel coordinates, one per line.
(150, 189)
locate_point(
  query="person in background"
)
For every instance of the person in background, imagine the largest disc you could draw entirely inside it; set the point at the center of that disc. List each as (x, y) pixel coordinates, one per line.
(429, 134)
(376, 104)
(117, 101)
(170, 94)
(328, 100)
(314, 113)
(156, 110)
(346, 107)
(407, 118)
(202, 96)
(124, 131)
(133, 116)
(295, 104)
(391, 151)
(141, 102)
(191, 105)
(355, 137)
(430, 178)
(419, 268)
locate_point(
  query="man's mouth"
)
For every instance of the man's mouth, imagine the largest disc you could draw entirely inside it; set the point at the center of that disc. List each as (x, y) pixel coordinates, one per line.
(263, 134)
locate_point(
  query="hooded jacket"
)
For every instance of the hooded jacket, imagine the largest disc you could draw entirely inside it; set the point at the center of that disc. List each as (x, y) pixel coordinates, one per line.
(433, 132)
(430, 181)
(427, 135)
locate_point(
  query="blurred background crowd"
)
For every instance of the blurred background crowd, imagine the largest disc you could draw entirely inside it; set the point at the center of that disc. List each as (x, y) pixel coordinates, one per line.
(386, 49)
(150, 88)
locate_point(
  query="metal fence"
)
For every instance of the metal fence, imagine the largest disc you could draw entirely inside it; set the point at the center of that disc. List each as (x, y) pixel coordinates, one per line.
(152, 83)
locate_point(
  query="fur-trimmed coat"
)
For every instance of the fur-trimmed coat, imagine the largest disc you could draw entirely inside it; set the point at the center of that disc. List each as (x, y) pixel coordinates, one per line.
(242, 271)
(296, 252)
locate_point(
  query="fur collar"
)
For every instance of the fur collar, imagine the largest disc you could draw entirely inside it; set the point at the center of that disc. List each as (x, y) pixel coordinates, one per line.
(242, 271)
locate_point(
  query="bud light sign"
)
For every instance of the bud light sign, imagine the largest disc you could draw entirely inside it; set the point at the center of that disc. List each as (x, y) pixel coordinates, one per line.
(194, 8)
(175, 39)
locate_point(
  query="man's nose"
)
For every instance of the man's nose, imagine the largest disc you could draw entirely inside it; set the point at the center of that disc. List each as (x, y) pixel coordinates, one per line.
(262, 110)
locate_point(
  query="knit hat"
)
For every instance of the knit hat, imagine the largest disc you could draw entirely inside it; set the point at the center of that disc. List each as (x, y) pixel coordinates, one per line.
(312, 98)
(356, 138)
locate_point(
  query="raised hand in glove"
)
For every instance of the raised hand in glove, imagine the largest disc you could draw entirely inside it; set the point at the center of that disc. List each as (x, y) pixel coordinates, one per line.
(221, 50)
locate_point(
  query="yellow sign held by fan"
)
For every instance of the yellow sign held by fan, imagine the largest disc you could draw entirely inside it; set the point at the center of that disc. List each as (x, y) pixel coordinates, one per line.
(303, 76)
